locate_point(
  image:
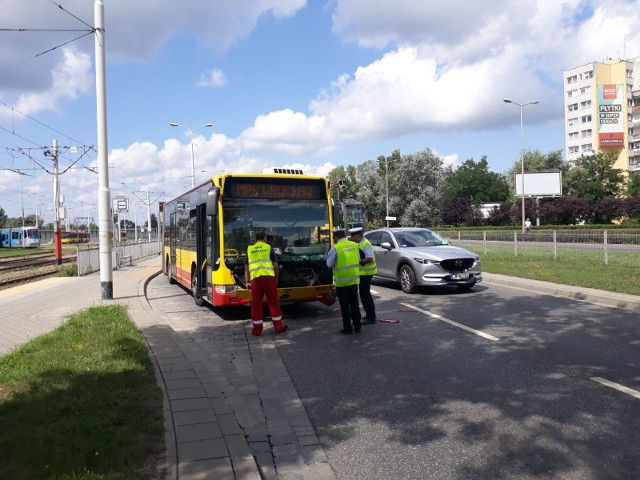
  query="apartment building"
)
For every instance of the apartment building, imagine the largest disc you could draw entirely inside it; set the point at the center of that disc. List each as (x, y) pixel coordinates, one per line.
(602, 111)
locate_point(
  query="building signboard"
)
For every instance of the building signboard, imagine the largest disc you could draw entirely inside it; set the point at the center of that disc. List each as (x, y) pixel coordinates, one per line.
(610, 115)
(539, 184)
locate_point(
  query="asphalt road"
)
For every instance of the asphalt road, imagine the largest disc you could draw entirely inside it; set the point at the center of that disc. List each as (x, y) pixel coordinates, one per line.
(495, 383)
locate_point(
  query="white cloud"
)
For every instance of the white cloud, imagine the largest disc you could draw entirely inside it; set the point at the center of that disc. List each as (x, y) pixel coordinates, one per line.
(288, 132)
(69, 79)
(212, 78)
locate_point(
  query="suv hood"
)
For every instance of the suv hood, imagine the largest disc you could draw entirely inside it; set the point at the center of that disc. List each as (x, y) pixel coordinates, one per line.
(440, 252)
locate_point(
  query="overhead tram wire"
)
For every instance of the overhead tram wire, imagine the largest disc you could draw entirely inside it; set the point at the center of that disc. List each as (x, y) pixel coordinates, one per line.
(90, 30)
(13, 109)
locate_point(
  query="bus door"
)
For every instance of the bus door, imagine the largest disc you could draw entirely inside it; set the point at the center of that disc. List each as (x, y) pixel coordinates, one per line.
(201, 247)
(173, 237)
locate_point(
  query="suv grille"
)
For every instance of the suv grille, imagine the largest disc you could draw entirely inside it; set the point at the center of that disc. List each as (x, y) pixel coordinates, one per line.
(457, 264)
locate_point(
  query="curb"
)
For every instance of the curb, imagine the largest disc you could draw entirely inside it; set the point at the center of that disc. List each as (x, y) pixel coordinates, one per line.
(591, 295)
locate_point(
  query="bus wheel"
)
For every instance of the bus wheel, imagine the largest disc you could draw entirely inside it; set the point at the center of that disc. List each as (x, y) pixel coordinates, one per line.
(195, 289)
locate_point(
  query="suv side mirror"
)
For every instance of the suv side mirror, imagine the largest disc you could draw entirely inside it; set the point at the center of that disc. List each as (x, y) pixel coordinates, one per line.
(386, 245)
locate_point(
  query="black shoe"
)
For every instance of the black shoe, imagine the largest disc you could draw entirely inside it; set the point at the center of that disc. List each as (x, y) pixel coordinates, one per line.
(368, 322)
(346, 332)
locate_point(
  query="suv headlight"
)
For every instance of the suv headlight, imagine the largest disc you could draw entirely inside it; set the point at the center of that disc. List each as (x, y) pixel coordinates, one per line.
(426, 261)
(476, 263)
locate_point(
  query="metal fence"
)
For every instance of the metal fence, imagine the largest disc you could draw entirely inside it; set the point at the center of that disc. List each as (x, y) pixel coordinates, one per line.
(609, 247)
(122, 254)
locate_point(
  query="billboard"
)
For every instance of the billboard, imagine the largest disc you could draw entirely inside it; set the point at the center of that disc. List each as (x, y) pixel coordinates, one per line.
(539, 184)
(610, 115)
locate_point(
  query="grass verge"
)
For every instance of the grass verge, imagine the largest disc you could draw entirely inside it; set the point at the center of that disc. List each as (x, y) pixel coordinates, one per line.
(568, 271)
(82, 403)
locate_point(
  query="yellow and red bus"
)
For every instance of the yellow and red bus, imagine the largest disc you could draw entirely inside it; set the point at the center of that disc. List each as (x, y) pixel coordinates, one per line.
(207, 231)
(74, 236)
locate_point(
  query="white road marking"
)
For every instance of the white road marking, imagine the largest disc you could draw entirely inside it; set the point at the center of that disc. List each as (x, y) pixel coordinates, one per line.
(373, 291)
(451, 322)
(617, 386)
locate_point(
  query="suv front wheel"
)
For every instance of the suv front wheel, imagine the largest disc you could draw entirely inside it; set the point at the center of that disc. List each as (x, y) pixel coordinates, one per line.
(407, 279)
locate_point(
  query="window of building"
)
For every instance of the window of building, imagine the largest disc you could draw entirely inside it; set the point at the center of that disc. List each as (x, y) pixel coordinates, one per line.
(573, 135)
(587, 147)
(571, 93)
(586, 104)
(586, 133)
(572, 121)
(588, 74)
(575, 149)
(629, 73)
(572, 107)
(572, 79)
(585, 119)
(585, 90)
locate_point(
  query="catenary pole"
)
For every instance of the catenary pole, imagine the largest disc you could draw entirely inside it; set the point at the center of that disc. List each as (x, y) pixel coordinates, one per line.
(104, 195)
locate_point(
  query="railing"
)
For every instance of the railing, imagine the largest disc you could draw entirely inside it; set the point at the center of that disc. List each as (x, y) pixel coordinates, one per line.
(607, 247)
(89, 255)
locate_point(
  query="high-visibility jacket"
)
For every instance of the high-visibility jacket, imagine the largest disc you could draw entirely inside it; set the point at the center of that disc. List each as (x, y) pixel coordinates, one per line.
(346, 271)
(370, 268)
(260, 263)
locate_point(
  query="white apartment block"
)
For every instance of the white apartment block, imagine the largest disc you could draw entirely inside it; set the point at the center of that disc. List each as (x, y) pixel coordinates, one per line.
(602, 111)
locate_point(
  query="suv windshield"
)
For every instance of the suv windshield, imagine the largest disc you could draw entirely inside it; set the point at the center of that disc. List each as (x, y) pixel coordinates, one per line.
(419, 238)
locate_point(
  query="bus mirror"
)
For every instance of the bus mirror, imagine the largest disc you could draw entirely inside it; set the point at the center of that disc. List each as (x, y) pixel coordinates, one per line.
(337, 216)
(212, 201)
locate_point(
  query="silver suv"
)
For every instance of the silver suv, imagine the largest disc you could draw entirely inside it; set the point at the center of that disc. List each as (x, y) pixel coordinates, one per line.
(417, 256)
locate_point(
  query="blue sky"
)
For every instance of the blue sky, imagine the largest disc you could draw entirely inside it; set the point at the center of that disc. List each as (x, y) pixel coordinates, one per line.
(312, 84)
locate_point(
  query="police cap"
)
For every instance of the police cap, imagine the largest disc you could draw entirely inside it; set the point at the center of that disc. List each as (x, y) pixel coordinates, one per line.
(356, 230)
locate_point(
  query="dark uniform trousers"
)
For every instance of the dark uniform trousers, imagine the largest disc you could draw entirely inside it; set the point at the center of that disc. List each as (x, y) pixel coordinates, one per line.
(366, 298)
(349, 307)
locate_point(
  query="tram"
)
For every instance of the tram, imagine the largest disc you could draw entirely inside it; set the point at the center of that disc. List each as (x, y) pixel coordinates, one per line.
(20, 237)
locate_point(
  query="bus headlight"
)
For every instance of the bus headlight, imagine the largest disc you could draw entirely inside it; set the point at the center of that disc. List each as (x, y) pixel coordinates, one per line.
(226, 289)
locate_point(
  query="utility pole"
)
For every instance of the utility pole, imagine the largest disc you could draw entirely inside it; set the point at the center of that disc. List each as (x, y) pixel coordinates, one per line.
(104, 195)
(57, 240)
(148, 215)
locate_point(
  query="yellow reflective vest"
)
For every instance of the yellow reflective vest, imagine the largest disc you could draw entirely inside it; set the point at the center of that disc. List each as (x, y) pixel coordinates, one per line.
(346, 271)
(370, 268)
(259, 258)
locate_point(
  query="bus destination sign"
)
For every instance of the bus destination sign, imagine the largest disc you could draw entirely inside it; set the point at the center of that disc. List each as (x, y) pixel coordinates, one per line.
(273, 190)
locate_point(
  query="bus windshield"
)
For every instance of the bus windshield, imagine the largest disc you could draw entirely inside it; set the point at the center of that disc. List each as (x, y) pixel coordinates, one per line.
(294, 228)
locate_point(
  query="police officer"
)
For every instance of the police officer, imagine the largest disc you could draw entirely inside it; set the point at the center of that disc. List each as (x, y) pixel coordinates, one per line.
(344, 259)
(368, 269)
(261, 277)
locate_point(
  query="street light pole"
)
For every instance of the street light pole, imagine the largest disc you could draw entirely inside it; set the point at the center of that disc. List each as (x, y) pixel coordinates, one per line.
(193, 163)
(522, 105)
(386, 182)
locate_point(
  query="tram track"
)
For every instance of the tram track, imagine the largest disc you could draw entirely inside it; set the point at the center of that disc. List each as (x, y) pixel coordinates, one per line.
(25, 269)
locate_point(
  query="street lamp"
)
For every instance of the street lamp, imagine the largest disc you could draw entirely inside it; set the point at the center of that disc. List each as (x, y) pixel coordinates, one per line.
(193, 164)
(522, 105)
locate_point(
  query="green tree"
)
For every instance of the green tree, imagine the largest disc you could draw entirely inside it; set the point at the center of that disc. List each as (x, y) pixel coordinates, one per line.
(594, 177)
(633, 184)
(3, 217)
(473, 181)
(349, 181)
(371, 181)
(415, 189)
